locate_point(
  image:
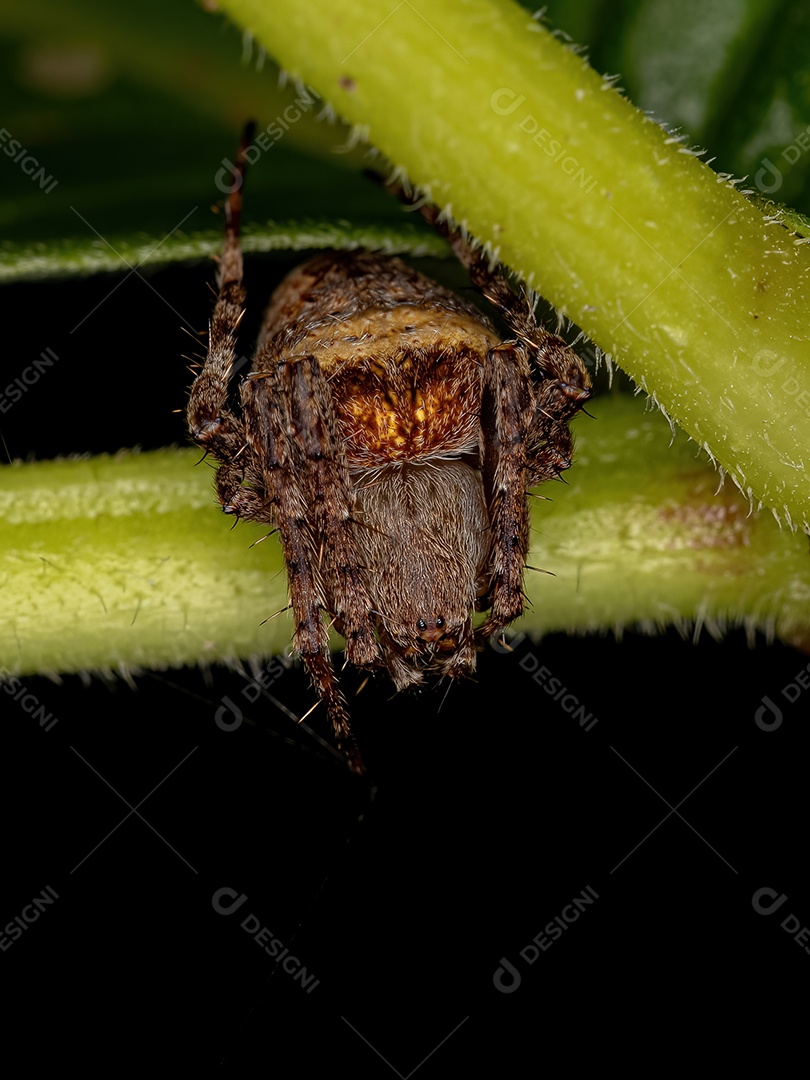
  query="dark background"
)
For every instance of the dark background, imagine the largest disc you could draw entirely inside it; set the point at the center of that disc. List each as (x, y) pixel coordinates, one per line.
(487, 809)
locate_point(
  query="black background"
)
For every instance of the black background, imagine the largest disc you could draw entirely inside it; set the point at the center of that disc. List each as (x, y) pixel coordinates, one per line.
(486, 811)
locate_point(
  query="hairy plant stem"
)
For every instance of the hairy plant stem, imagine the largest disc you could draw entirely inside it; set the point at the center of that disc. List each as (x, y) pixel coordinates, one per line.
(115, 563)
(664, 264)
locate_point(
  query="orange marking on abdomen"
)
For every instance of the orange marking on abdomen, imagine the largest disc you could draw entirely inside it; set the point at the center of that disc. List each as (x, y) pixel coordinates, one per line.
(420, 406)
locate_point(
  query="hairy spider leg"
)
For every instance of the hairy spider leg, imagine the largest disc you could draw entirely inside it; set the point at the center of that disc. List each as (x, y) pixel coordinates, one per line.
(249, 461)
(552, 356)
(322, 472)
(300, 470)
(507, 411)
(211, 423)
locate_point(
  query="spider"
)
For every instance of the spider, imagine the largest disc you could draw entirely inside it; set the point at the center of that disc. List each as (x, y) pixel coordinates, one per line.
(390, 437)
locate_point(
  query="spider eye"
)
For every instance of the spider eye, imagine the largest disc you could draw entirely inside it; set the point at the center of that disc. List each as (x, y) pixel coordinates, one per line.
(432, 629)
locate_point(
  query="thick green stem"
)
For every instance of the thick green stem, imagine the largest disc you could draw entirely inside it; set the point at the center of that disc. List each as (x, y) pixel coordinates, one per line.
(665, 265)
(118, 562)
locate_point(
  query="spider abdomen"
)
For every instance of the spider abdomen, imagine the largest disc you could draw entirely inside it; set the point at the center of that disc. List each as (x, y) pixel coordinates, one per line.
(403, 355)
(408, 406)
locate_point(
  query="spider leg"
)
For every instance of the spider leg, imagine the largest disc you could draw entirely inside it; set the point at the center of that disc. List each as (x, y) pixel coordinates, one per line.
(550, 445)
(462, 661)
(306, 483)
(506, 417)
(403, 675)
(210, 422)
(488, 279)
(564, 381)
(552, 357)
(331, 502)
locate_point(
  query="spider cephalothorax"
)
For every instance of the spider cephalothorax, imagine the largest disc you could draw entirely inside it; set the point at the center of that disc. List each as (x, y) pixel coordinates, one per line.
(390, 436)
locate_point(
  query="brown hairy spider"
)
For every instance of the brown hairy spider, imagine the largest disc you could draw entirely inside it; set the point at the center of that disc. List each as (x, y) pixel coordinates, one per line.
(390, 436)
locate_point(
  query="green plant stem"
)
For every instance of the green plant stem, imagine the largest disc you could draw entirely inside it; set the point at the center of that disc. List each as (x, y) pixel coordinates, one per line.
(115, 563)
(666, 266)
(81, 257)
